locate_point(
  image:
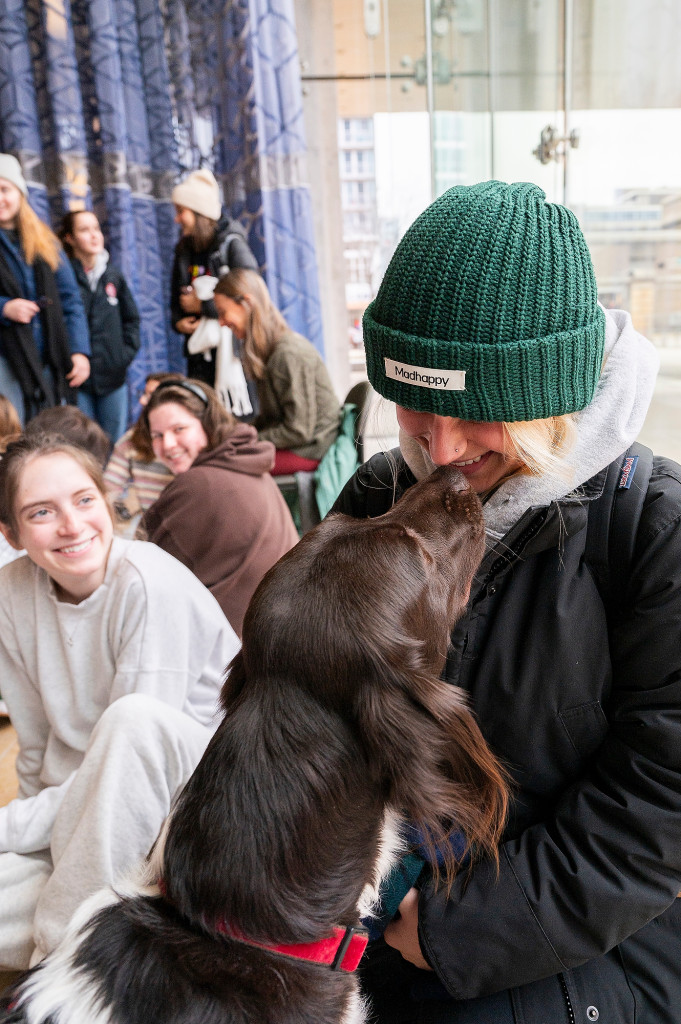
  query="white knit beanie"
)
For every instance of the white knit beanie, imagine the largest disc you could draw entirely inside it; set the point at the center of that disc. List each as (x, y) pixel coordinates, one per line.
(199, 192)
(10, 170)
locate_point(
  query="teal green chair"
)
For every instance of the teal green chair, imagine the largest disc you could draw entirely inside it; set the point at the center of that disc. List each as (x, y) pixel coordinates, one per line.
(310, 494)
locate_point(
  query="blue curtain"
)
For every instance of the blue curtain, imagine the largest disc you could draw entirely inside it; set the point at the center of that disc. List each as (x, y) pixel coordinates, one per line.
(108, 103)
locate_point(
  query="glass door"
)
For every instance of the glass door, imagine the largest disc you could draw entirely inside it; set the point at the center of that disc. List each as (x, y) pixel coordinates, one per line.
(499, 87)
(582, 97)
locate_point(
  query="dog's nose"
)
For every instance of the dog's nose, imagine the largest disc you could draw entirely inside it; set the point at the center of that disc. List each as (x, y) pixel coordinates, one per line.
(453, 478)
(460, 484)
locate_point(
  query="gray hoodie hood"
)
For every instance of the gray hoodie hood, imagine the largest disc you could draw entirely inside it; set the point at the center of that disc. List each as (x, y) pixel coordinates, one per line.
(605, 428)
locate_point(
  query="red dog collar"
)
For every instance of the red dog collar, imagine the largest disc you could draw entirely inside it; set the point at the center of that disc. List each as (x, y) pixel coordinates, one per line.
(341, 951)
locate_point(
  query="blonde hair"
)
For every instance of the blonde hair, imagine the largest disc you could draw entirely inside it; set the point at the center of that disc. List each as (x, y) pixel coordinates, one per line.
(265, 324)
(37, 239)
(541, 445)
(10, 424)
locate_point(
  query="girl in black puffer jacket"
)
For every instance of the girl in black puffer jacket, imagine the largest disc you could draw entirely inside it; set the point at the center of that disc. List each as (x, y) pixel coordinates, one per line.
(210, 245)
(113, 319)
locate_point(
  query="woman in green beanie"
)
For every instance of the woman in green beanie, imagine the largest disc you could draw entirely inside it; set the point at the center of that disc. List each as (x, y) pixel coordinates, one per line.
(487, 334)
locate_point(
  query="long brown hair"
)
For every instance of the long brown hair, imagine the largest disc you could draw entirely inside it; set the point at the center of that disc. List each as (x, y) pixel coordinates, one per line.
(71, 424)
(204, 232)
(29, 447)
(139, 435)
(265, 324)
(202, 237)
(217, 423)
(37, 239)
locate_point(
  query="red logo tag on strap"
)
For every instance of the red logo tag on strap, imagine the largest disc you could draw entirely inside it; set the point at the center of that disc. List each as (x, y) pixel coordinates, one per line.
(341, 951)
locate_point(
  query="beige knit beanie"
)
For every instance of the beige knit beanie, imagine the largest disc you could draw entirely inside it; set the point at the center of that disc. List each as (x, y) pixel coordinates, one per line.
(199, 192)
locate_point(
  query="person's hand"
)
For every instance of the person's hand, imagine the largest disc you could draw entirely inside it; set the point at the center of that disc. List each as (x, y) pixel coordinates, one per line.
(402, 932)
(21, 311)
(186, 325)
(190, 301)
(80, 370)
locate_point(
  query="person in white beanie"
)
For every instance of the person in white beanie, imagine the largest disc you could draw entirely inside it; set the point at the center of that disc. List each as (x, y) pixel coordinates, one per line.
(210, 243)
(44, 338)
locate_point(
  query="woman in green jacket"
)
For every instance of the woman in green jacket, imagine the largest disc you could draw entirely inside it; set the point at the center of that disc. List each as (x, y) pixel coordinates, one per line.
(299, 410)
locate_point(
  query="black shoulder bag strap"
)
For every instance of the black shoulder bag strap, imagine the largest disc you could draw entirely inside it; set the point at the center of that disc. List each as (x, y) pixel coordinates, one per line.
(613, 524)
(225, 246)
(55, 336)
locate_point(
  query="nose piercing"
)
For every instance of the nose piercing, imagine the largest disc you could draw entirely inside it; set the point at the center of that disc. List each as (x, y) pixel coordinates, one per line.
(456, 451)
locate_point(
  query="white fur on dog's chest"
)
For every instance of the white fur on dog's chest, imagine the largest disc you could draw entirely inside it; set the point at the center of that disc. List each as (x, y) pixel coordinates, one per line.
(391, 845)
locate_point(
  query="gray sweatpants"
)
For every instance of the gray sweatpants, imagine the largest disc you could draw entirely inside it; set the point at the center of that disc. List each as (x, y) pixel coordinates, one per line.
(140, 753)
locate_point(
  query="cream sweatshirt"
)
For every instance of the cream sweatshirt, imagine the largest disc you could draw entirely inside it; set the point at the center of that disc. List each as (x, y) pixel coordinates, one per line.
(150, 628)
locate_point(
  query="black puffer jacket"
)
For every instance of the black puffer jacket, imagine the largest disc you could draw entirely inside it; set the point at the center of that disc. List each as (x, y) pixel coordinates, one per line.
(230, 249)
(583, 923)
(114, 322)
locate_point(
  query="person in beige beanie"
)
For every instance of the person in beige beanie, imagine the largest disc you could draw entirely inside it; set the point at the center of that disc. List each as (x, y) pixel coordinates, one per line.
(198, 193)
(211, 243)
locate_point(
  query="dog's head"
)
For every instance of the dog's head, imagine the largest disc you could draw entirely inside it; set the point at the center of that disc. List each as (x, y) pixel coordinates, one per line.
(359, 615)
(358, 594)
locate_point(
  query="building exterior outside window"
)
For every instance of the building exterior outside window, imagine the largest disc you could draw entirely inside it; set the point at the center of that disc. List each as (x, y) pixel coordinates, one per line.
(582, 97)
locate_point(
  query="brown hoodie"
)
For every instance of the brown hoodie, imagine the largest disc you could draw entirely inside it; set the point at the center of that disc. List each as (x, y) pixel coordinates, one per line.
(225, 519)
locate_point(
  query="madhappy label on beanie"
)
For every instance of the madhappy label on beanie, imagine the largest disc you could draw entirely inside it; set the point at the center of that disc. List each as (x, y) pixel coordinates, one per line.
(425, 376)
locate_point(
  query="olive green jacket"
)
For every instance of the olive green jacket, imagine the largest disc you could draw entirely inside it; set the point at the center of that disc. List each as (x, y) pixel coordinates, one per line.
(299, 409)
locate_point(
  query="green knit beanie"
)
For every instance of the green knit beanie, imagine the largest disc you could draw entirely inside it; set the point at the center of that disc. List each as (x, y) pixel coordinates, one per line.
(488, 309)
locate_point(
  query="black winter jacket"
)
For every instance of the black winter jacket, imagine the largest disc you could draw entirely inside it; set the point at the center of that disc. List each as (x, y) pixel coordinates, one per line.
(583, 923)
(114, 323)
(230, 249)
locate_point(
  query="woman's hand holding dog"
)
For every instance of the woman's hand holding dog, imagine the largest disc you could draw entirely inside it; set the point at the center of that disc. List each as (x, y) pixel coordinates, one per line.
(402, 933)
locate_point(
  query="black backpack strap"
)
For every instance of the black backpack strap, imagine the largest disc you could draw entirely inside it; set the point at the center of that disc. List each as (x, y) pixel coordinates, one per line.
(224, 247)
(613, 524)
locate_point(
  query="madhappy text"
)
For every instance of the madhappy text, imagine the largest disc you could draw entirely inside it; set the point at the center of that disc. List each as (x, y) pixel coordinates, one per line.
(425, 376)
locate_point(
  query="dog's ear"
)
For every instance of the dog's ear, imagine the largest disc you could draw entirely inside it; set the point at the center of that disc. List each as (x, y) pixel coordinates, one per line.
(424, 742)
(359, 614)
(418, 731)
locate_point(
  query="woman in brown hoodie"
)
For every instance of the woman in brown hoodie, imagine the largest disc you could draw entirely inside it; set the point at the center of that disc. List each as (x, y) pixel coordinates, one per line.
(223, 516)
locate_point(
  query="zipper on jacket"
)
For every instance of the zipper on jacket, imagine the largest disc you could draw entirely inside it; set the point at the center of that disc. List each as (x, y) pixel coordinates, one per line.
(506, 561)
(568, 1003)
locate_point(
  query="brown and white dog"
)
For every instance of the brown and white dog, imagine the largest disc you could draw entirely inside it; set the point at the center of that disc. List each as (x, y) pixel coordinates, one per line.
(337, 728)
